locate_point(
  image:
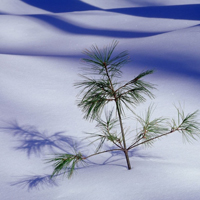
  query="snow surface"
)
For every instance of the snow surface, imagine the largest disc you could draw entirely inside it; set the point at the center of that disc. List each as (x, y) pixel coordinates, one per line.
(41, 44)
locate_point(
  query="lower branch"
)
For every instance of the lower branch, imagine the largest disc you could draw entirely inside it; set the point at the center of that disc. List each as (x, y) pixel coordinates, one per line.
(135, 145)
(102, 152)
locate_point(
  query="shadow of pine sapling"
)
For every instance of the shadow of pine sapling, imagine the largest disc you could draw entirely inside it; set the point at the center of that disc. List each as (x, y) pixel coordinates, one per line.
(35, 142)
(35, 182)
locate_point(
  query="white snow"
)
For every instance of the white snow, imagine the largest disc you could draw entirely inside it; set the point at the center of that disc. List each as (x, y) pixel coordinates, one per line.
(41, 44)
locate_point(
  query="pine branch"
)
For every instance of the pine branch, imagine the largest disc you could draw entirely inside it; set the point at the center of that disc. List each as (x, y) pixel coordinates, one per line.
(106, 128)
(66, 163)
(188, 126)
(133, 81)
(149, 140)
(150, 128)
(97, 95)
(97, 153)
(96, 59)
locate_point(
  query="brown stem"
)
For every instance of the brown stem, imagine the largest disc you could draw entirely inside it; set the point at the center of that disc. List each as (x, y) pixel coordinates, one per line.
(102, 152)
(123, 137)
(128, 83)
(120, 119)
(135, 145)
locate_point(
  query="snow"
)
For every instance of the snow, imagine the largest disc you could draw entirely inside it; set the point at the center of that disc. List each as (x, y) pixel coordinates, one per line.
(41, 44)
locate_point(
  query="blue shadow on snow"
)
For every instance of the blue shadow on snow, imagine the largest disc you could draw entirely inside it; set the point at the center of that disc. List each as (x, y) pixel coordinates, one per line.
(58, 6)
(69, 27)
(182, 12)
(35, 142)
(177, 64)
(35, 182)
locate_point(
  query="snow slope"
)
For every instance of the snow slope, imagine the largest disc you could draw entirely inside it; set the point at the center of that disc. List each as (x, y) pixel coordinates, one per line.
(41, 44)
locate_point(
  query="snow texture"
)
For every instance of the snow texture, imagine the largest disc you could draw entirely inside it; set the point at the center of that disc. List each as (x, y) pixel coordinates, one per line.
(41, 44)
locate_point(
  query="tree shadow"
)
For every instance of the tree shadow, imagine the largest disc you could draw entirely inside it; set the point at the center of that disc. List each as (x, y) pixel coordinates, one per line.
(58, 6)
(182, 12)
(35, 182)
(36, 142)
(45, 181)
(116, 156)
(69, 27)
(177, 64)
(145, 2)
(185, 12)
(3, 13)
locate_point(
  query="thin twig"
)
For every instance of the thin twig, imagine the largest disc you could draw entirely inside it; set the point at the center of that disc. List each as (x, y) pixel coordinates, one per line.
(135, 145)
(102, 152)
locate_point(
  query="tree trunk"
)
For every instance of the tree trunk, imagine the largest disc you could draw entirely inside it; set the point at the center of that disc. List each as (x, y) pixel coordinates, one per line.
(123, 137)
(127, 159)
(120, 119)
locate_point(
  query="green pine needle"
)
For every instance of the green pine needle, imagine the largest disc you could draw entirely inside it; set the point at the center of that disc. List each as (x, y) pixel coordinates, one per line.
(106, 131)
(65, 163)
(98, 92)
(97, 58)
(151, 128)
(188, 124)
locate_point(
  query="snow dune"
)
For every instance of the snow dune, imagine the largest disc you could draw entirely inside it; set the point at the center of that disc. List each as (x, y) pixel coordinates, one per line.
(41, 44)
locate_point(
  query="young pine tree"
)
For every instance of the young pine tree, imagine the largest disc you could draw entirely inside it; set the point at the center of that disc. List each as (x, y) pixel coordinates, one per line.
(101, 86)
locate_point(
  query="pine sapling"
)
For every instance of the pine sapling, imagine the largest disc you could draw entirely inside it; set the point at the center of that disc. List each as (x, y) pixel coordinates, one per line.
(101, 89)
